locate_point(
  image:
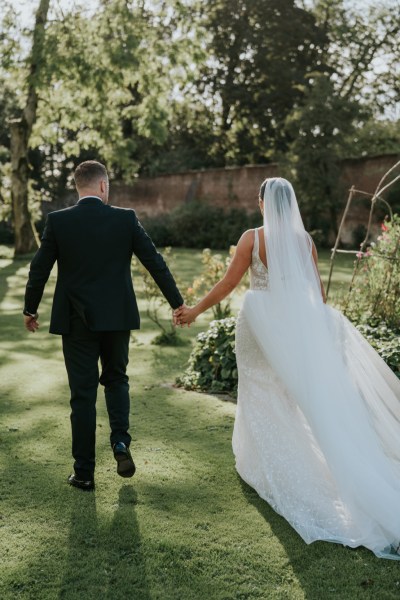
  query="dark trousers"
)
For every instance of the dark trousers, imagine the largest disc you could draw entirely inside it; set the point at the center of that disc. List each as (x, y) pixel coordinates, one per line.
(82, 350)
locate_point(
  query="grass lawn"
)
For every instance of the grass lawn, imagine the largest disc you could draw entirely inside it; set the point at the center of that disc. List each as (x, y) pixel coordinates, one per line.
(185, 527)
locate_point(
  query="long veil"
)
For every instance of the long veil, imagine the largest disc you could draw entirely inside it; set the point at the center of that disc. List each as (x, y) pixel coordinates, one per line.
(347, 394)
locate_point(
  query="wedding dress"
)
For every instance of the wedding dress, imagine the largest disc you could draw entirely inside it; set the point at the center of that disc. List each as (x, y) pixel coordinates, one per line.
(317, 428)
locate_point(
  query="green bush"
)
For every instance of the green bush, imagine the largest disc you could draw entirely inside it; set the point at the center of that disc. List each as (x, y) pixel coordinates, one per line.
(212, 363)
(214, 268)
(374, 295)
(200, 225)
(156, 302)
(386, 342)
(6, 233)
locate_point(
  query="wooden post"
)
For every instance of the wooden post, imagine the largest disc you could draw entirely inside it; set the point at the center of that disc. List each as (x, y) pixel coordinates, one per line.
(333, 254)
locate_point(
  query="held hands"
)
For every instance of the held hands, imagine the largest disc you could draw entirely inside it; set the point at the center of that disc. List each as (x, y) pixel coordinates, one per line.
(31, 323)
(184, 315)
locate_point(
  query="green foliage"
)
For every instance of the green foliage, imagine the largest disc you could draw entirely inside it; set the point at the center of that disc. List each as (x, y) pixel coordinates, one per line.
(156, 304)
(376, 137)
(152, 87)
(319, 129)
(212, 363)
(103, 89)
(115, 102)
(361, 40)
(386, 342)
(374, 296)
(6, 233)
(337, 117)
(214, 268)
(256, 73)
(393, 197)
(167, 338)
(200, 225)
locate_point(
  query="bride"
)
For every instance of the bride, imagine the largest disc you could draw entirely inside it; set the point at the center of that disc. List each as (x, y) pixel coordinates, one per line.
(317, 428)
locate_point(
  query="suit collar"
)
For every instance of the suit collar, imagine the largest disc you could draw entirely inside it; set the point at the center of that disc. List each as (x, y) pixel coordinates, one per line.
(92, 200)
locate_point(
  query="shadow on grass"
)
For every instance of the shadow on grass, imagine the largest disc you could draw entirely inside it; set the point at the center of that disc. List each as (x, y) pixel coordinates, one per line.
(70, 551)
(7, 272)
(104, 561)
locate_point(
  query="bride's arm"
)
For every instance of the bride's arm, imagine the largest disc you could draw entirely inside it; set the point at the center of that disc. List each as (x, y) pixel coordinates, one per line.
(315, 257)
(237, 268)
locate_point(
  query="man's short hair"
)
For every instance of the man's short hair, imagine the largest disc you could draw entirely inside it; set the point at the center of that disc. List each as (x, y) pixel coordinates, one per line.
(89, 172)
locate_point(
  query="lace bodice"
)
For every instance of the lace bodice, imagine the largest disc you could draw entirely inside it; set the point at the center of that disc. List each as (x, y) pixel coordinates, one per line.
(258, 271)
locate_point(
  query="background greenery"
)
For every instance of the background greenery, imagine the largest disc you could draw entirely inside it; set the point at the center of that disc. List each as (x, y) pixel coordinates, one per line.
(154, 87)
(185, 527)
(200, 225)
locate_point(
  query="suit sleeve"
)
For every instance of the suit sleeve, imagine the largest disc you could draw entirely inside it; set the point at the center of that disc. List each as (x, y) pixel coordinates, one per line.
(152, 260)
(40, 269)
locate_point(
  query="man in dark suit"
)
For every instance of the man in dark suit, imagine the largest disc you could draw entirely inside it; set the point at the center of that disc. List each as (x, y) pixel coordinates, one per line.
(94, 309)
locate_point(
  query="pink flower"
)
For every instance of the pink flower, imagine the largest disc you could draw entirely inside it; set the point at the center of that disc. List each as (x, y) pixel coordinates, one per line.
(384, 228)
(359, 255)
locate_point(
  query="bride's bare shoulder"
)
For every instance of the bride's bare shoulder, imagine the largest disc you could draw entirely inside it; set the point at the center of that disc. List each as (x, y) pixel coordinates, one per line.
(247, 238)
(245, 244)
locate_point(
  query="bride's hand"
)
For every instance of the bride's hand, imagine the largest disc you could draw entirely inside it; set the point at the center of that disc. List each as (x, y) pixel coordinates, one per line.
(184, 315)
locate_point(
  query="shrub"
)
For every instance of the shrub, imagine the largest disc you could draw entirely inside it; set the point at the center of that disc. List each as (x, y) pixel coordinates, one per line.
(358, 235)
(156, 303)
(212, 363)
(6, 233)
(386, 342)
(374, 295)
(159, 229)
(214, 267)
(200, 225)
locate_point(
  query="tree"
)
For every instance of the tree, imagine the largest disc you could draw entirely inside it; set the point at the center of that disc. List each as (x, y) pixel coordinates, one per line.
(260, 55)
(21, 129)
(149, 87)
(340, 105)
(320, 130)
(100, 87)
(113, 103)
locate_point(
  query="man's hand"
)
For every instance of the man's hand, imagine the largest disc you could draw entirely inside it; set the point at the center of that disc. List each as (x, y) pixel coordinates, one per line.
(184, 315)
(176, 313)
(31, 323)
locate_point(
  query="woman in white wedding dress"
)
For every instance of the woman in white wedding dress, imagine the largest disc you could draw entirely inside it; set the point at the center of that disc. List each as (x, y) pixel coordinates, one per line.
(317, 428)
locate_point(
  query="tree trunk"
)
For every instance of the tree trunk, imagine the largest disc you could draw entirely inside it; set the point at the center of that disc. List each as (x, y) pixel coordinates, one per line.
(21, 129)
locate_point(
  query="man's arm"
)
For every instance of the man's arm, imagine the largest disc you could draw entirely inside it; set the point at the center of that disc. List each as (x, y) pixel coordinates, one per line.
(40, 269)
(152, 260)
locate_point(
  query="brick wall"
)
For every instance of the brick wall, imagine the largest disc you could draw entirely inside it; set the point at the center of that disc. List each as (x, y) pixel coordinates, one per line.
(235, 186)
(365, 174)
(232, 186)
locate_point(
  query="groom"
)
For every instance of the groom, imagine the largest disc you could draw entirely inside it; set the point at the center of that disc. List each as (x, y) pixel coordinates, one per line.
(94, 309)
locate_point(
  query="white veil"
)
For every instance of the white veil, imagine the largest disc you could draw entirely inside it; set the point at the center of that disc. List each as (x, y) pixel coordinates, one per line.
(348, 396)
(289, 247)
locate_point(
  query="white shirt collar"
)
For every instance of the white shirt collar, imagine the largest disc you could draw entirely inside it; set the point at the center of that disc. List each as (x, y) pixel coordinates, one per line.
(83, 197)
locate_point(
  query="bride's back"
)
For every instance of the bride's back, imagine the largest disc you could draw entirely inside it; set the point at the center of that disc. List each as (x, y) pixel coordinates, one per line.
(262, 253)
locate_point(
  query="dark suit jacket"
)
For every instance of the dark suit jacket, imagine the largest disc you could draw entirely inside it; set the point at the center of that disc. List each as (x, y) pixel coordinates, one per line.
(93, 245)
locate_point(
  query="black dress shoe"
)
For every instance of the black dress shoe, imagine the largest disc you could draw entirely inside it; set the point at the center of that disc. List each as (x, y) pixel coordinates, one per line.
(125, 465)
(88, 485)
